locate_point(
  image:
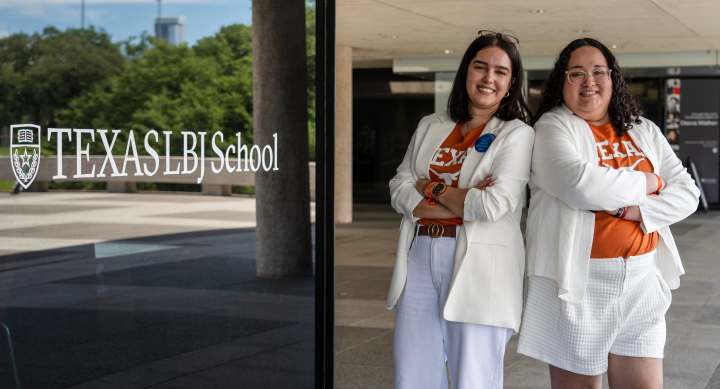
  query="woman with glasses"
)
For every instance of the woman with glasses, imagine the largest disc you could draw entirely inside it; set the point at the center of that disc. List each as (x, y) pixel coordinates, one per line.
(601, 260)
(457, 283)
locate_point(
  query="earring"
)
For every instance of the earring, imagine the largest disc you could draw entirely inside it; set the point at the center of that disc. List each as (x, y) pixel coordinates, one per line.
(508, 93)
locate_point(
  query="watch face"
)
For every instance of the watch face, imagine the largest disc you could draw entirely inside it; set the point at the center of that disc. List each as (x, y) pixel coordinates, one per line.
(438, 187)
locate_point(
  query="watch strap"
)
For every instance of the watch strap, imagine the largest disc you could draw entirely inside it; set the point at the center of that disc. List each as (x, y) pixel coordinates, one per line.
(619, 212)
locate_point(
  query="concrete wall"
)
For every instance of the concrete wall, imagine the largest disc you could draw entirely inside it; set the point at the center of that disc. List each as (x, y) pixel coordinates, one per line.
(48, 168)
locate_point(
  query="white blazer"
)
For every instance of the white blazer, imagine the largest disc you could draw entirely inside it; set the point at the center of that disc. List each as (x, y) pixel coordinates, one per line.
(566, 181)
(487, 281)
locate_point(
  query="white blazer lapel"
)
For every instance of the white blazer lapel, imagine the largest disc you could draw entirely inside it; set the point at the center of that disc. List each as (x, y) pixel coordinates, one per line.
(638, 135)
(474, 157)
(582, 134)
(434, 137)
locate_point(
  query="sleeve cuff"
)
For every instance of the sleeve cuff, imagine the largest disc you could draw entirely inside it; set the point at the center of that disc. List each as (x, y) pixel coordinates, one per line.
(472, 206)
(647, 226)
(413, 200)
(641, 199)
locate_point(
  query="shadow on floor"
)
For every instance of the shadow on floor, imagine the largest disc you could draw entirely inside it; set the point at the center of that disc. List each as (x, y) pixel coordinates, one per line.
(167, 311)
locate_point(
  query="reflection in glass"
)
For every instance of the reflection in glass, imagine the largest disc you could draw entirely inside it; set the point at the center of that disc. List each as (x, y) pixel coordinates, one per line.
(144, 280)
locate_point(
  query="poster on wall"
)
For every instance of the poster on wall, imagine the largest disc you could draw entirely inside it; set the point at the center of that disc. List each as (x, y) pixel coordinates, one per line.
(672, 118)
(699, 130)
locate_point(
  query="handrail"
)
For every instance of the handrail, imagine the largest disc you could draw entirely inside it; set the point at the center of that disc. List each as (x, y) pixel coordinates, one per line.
(12, 356)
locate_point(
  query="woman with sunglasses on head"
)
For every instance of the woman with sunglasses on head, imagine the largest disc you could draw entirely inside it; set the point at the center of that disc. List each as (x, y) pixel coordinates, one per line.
(601, 260)
(457, 283)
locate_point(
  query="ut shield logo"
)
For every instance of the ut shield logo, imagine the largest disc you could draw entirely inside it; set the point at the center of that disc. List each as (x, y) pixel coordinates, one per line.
(25, 152)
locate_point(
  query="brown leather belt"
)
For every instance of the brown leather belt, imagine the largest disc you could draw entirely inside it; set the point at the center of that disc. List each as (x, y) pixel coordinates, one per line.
(437, 230)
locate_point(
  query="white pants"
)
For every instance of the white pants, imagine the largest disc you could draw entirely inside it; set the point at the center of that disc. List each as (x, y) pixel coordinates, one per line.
(424, 339)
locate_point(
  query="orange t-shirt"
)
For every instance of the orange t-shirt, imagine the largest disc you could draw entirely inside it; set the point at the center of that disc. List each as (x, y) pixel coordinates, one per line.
(615, 237)
(447, 161)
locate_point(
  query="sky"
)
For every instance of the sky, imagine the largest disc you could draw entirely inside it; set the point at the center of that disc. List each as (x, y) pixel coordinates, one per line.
(122, 18)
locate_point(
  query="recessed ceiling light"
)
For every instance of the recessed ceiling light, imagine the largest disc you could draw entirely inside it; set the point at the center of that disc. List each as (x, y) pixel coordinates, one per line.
(448, 51)
(614, 46)
(538, 11)
(391, 36)
(582, 31)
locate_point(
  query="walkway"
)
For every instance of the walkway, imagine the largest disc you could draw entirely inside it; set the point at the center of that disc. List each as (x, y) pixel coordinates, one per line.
(137, 291)
(366, 255)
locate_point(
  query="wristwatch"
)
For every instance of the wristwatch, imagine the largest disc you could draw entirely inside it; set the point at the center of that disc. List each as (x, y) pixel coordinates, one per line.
(438, 189)
(622, 211)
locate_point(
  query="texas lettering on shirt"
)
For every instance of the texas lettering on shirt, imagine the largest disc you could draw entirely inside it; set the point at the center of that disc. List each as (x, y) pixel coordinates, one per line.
(456, 158)
(617, 154)
(446, 163)
(448, 159)
(615, 237)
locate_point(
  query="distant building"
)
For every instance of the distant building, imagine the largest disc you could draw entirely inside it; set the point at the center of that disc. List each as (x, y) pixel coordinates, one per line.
(171, 28)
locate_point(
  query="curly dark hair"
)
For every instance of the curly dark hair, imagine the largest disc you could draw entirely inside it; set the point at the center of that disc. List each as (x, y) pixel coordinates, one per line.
(624, 108)
(511, 107)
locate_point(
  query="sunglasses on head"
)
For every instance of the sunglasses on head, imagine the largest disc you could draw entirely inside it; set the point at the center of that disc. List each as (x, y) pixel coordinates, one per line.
(506, 38)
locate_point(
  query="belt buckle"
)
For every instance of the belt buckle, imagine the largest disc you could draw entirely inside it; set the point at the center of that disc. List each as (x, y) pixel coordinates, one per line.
(436, 230)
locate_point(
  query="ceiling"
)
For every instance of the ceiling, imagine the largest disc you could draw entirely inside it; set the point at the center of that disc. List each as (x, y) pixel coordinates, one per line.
(382, 30)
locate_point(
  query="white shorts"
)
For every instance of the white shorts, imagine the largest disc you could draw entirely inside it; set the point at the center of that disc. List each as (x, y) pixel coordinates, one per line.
(623, 313)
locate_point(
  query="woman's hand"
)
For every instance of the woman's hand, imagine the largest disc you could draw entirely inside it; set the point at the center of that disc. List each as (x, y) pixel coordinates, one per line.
(652, 184)
(420, 184)
(437, 212)
(452, 200)
(633, 213)
(486, 183)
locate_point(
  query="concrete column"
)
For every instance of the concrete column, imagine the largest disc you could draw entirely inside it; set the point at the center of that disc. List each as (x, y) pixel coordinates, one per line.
(284, 246)
(343, 134)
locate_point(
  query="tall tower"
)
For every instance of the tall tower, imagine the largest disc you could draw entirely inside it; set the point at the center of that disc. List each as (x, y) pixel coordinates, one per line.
(171, 28)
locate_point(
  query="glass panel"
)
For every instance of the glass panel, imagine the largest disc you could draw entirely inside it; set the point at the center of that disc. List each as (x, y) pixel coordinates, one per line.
(386, 108)
(404, 57)
(139, 247)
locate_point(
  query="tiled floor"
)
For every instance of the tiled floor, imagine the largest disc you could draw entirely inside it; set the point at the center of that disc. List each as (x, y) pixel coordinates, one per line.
(158, 291)
(146, 291)
(364, 329)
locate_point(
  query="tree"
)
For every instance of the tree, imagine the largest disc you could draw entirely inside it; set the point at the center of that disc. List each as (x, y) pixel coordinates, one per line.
(80, 79)
(175, 88)
(310, 44)
(41, 73)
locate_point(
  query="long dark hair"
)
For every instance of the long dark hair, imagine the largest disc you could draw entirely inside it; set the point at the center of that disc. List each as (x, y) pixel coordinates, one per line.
(624, 109)
(511, 107)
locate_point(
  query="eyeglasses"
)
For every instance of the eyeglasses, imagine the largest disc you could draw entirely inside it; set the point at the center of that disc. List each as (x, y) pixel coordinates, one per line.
(578, 77)
(506, 38)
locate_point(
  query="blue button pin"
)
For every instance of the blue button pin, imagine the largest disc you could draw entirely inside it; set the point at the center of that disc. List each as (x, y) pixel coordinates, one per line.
(484, 142)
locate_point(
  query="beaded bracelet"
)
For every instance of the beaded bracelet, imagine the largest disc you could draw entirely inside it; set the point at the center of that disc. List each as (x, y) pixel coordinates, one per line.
(424, 188)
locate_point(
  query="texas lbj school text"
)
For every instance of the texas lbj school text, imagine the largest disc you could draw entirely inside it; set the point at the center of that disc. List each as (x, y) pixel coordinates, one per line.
(247, 159)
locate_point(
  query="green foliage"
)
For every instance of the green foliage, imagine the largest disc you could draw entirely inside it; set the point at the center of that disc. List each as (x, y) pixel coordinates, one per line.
(206, 88)
(6, 185)
(81, 79)
(41, 73)
(310, 45)
(78, 185)
(131, 49)
(242, 189)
